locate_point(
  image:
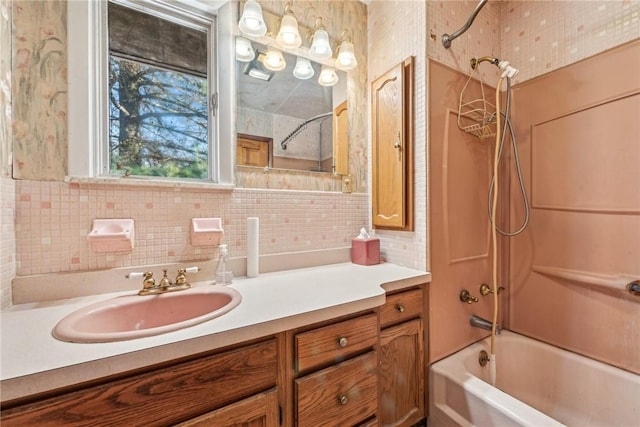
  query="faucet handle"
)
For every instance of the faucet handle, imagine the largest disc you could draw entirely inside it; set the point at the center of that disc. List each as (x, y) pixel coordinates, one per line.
(465, 296)
(486, 290)
(181, 278)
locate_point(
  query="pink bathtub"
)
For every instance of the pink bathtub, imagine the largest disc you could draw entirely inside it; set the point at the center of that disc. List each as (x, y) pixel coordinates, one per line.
(537, 385)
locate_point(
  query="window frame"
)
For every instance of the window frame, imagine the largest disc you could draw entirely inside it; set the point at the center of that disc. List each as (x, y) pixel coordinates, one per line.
(88, 109)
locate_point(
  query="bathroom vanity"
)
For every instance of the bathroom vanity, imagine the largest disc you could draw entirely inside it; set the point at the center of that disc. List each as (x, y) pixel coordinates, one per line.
(305, 347)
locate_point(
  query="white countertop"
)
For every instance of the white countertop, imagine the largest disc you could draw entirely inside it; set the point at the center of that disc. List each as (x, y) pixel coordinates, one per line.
(32, 361)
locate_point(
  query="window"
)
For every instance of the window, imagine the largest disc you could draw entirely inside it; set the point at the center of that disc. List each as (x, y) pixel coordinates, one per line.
(158, 96)
(143, 87)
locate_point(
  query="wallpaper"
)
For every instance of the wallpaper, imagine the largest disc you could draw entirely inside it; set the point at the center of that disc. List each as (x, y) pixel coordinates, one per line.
(39, 90)
(7, 185)
(40, 94)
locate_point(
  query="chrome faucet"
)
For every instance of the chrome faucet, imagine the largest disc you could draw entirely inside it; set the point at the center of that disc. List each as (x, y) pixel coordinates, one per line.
(481, 323)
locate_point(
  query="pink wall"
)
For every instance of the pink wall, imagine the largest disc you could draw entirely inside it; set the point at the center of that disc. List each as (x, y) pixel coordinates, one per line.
(578, 134)
(537, 37)
(54, 218)
(459, 176)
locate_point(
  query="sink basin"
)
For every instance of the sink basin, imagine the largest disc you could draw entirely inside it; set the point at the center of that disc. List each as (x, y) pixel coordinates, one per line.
(133, 316)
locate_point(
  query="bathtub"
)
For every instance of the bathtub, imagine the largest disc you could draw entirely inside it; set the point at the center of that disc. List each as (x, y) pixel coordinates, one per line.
(537, 385)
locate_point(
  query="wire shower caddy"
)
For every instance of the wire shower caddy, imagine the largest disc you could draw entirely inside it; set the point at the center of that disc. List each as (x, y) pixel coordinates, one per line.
(476, 116)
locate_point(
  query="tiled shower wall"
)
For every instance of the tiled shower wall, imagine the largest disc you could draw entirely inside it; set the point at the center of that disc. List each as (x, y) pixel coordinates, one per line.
(534, 36)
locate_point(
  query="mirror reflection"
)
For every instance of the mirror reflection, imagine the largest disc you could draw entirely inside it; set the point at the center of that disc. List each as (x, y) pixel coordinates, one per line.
(289, 110)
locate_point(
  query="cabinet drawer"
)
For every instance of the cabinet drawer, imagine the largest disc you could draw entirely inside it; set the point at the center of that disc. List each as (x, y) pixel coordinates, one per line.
(260, 410)
(340, 395)
(334, 342)
(401, 306)
(162, 397)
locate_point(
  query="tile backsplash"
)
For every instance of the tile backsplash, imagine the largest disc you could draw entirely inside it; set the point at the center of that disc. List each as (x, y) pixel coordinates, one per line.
(54, 218)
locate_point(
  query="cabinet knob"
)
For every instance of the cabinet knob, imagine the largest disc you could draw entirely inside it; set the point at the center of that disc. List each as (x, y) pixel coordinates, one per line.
(400, 308)
(398, 146)
(342, 342)
(343, 399)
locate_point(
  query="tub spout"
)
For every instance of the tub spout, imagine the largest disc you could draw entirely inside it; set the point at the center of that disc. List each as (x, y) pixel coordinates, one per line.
(481, 323)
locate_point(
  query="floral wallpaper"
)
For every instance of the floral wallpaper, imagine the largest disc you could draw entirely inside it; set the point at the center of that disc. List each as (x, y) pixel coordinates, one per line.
(39, 90)
(5, 88)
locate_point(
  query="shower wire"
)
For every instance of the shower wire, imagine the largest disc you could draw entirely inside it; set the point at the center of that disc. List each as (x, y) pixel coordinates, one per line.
(523, 192)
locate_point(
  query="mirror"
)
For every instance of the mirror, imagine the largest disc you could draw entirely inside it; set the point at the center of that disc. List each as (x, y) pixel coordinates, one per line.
(285, 122)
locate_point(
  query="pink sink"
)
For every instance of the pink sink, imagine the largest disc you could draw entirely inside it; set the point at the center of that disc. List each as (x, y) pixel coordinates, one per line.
(133, 316)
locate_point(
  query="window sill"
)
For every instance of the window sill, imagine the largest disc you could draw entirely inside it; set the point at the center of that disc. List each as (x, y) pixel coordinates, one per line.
(149, 182)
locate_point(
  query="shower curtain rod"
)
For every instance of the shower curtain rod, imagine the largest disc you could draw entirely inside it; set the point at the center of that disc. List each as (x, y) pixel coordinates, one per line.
(447, 39)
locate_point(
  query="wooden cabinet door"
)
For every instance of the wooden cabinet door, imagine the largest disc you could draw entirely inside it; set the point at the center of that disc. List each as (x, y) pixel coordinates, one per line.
(257, 411)
(253, 151)
(401, 375)
(341, 139)
(392, 148)
(161, 397)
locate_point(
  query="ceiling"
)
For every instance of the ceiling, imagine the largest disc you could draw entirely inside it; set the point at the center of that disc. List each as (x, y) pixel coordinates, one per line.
(284, 94)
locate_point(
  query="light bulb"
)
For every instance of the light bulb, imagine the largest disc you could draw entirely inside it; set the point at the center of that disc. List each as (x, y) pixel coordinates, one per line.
(288, 36)
(320, 46)
(328, 76)
(303, 70)
(252, 21)
(346, 59)
(244, 50)
(274, 60)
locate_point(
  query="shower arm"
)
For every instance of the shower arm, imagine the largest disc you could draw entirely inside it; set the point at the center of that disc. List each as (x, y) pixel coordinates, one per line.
(447, 39)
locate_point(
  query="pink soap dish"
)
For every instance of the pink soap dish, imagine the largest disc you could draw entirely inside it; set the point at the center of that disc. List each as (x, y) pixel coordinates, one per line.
(112, 235)
(206, 231)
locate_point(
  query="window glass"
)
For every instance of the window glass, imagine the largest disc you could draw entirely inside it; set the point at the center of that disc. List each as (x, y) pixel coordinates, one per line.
(158, 97)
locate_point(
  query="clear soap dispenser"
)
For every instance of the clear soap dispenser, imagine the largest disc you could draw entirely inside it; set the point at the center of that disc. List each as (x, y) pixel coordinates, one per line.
(223, 274)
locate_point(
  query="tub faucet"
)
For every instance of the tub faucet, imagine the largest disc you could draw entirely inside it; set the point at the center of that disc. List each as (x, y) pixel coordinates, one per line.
(481, 323)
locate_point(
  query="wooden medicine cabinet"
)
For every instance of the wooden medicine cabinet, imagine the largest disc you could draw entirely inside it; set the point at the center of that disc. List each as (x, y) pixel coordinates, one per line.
(392, 148)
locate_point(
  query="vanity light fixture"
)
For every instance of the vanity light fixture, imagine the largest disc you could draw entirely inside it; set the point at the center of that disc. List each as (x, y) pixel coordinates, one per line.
(346, 59)
(289, 36)
(303, 70)
(244, 50)
(328, 76)
(274, 60)
(320, 47)
(252, 21)
(257, 70)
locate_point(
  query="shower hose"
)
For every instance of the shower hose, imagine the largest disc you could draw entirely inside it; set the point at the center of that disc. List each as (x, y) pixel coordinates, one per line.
(501, 133)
